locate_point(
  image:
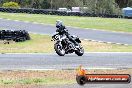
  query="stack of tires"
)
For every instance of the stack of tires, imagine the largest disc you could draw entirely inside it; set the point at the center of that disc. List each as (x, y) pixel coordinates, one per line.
(17, 35)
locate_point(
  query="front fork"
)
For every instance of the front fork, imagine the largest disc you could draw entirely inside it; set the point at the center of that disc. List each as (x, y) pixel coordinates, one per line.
(59, 43)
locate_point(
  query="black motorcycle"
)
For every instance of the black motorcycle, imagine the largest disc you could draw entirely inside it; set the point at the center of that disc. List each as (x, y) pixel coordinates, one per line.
(64, 46)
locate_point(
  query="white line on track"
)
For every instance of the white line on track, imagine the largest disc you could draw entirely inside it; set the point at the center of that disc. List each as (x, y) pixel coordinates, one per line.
(32, 69)
(85, 53)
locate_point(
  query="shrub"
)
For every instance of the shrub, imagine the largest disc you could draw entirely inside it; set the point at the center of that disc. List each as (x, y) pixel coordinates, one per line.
(11, 5)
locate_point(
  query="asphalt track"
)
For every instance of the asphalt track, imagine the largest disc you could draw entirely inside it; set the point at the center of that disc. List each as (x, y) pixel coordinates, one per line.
(123, 38)
(89, 86)
(53, 61)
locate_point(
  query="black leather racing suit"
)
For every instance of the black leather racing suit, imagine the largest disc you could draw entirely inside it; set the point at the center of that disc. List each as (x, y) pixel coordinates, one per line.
(62, 31)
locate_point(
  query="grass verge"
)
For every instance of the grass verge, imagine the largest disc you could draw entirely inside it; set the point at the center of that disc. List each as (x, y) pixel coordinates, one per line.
(36, 78)
(103, 47)
(43, 44)
(24, 79)
(38, 44)
(111, 24)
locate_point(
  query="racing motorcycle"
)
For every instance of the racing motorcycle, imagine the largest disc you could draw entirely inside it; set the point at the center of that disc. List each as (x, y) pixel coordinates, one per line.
(64, 46)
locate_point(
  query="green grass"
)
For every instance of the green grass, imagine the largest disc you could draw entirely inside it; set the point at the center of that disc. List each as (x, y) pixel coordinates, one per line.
(6, 81)
(103, 47)
(40, 81)
(37, 44)
(49, 77)
(43, 44)
(111, 24)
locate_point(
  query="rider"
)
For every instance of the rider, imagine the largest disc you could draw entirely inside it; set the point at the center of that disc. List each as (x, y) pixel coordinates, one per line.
(61, 30)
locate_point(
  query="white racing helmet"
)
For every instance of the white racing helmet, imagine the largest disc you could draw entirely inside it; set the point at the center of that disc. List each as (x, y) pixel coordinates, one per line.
(59, 23)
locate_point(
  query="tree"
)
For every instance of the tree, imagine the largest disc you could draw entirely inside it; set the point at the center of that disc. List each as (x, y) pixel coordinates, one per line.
(66, 3)
(11, 5)
(129, 3)
(45, 4)
(103, 6)
(122, 3)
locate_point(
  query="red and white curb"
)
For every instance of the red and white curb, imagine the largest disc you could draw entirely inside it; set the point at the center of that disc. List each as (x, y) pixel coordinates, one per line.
(104, 42)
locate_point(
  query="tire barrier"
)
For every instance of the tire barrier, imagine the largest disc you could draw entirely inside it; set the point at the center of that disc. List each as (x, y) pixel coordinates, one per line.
(55, 12)
(17, 35)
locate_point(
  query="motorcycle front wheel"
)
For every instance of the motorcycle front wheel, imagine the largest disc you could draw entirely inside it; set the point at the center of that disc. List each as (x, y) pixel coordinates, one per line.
(59, 49)
(80, 51)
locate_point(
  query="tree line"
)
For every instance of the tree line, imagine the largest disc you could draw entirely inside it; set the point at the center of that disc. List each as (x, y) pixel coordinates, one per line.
(54, 4)
(46, 4)
(93, 6)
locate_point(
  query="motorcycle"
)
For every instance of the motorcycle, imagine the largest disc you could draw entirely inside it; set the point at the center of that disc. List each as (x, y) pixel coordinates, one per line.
(64, 46)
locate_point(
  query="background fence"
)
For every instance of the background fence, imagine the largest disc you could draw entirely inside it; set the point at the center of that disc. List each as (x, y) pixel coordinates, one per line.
(55, 12)
(94, 8)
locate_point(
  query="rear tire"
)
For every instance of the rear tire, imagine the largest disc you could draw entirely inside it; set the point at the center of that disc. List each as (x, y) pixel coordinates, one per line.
(60, 52)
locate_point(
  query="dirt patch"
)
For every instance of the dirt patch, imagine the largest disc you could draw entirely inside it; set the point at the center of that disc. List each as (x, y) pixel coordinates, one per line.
(37, 74)
(66, 76)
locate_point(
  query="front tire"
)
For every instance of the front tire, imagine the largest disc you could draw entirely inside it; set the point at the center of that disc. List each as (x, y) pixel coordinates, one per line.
(80, 51)
(59, 50)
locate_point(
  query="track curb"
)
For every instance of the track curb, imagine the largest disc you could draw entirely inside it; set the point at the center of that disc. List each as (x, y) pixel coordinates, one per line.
(104, 42)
